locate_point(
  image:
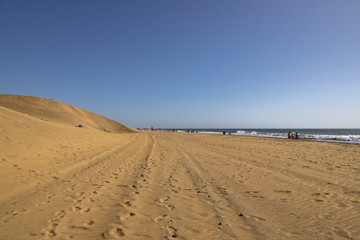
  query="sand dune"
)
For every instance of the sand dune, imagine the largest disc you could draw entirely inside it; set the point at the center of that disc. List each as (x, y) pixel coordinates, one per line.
(60, 113)
(58, 181)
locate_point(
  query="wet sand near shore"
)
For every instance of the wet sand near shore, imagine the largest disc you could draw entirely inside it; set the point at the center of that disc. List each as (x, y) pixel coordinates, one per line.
(88, 184)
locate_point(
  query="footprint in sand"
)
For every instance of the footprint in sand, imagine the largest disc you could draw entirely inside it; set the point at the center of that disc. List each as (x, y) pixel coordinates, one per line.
(78, 208)
(283, 191)
(172, 231)
(75, 208)
(134, 193)
(50, 196)
(164, 199)
(78, 227)
(159, 218)
(50, 230)
(127, 216)
(170, 207)
(255, 194)
(286, 199)
(114, 232)
(127, 204)
(119, 232)
(89, 222)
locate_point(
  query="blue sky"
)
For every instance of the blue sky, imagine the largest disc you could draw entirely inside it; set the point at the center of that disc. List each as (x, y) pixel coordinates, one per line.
(208, 64)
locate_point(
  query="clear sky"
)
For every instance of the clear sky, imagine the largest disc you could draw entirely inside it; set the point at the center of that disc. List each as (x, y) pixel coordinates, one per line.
(186, 63)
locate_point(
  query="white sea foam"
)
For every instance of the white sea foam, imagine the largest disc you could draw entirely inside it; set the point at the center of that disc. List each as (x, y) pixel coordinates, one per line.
(340, 138)
(240, 132)
(212, 132)
(261, 134)
(307, 134)
(317, 137)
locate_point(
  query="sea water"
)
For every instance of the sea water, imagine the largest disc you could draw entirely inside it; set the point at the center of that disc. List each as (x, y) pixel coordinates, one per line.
(318, 134)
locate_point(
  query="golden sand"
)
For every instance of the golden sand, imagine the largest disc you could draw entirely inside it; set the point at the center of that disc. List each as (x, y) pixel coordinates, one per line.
(58, 181)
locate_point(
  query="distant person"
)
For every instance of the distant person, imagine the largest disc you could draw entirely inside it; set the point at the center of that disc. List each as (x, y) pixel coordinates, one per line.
(296, 135)
(224, 133)
(229, 133)
(289, 135)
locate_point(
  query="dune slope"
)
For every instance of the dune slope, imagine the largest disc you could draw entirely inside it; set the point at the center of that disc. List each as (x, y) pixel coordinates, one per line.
(60, 113)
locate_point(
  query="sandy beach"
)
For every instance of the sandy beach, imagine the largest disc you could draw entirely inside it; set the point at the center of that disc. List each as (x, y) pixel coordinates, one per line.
(108, 181)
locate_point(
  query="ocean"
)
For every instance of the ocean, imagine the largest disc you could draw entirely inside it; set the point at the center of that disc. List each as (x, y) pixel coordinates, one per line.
(348, 135)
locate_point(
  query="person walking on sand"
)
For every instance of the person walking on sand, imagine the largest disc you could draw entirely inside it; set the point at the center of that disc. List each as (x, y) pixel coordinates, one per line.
(289, 134)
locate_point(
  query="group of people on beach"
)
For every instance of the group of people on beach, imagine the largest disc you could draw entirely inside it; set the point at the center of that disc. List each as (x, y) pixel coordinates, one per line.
(293, 135)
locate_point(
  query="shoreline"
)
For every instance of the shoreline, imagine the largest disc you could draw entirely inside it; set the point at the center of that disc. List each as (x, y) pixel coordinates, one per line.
(270, 137)
(278, 137)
